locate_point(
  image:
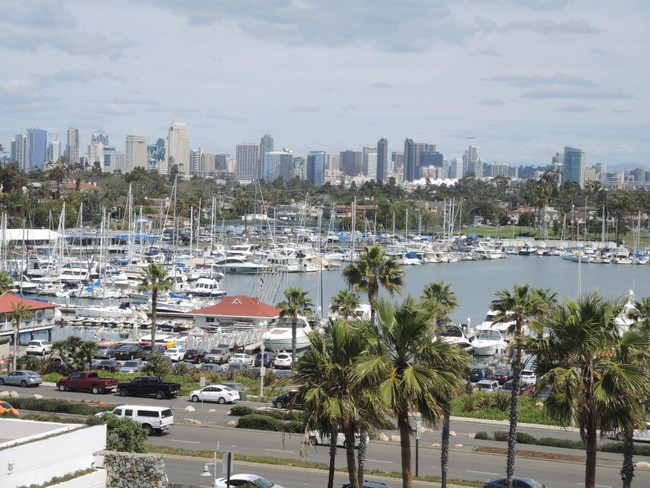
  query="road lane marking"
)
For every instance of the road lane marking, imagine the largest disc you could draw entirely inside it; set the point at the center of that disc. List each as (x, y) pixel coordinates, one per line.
(185, 442)
(379, 461)
(482, 472)
(278, 450)
(598, 486)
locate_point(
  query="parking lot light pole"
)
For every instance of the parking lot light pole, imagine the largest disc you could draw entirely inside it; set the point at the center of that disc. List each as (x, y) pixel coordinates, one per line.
(262, 359)
(206, 470)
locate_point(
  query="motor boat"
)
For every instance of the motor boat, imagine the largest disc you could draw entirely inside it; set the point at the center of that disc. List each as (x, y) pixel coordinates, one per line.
(489, 342)
(278, 337)
(454, 334)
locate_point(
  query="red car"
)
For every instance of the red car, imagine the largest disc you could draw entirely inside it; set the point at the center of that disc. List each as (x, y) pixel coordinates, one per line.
(502, 375)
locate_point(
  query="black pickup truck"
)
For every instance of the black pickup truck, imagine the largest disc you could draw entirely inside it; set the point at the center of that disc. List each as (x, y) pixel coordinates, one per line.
(148, 385)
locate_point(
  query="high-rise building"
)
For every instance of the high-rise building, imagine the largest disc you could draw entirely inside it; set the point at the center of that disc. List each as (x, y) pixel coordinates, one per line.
(499, 169)
(573, 166)
(221, 161)
(277, 164)
(410, 160)
(156, 154)
(99, 136)
(207, 166)
(248, 162)
(53, 147)
(601, 172)
(72, 146)
(456, 170)
(109, 165)
(382, 159)
(195, 161)
(96, 155)
(19, 150)
(178, 149)
(266, 145)
(350, 162)
(36, 150)
(369, 162)
(136, 150)
(472, 163)
(316, 167)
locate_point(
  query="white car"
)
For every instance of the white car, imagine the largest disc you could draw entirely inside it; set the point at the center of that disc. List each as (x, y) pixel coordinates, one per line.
(316, 437)
(528, 377)
(175, 354)
(241, 358)
(282, 360)
(39, 347)
(215, 393)
(246, 480)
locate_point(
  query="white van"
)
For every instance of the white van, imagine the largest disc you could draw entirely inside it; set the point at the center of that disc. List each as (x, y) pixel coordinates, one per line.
(152, 419)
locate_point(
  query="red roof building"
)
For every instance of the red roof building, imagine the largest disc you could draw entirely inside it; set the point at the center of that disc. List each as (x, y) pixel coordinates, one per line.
(236, 309)
(42, 318)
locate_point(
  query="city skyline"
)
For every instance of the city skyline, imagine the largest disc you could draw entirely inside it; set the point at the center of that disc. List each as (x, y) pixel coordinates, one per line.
(518, 79)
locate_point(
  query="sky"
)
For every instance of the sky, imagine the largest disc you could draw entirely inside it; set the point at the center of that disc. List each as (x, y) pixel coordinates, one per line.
(520, 79)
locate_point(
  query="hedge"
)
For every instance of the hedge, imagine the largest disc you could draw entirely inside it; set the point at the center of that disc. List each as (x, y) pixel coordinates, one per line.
(265, 422)
(56, 406)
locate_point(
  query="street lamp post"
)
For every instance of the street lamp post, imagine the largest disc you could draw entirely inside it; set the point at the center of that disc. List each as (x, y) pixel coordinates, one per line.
(206, 470)
(262, 359)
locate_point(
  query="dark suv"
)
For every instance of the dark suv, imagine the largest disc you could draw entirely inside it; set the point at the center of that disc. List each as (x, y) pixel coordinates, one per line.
(194, 355)
(269, 356)
(482, 373)
(290, 399)
(128, 351)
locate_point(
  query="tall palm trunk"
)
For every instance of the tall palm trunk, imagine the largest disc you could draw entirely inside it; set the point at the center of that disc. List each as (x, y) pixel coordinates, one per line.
(444, 448)
(362, 455)
(353, 476)
(294, 340)
(591, 427)
(405, 447)
(154, 318)
(332, 466)
(627, 470)
(514, 408)
(14, 359)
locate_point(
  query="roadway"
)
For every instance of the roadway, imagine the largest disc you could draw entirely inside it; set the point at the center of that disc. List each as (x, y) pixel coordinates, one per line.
(206, 425)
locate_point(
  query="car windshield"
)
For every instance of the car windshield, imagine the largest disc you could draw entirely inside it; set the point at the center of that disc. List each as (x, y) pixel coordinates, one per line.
(130, 364)
(263, 483)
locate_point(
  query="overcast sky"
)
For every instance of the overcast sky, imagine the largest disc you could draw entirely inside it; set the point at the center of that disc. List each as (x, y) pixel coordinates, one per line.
(522, 77)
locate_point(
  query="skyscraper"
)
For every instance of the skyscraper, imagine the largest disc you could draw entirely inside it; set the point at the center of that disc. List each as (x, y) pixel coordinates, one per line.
(410, 161)
(178, 149)
(36, 149)
(72, 146)
(136, 150)
(316, 167)
(277, 164)
(208, 166)
(53, 147)
(248, 161)
(195, 161)
(472, 162)
(573, 166)
(156, 154)
(99, 136)
(350, 162)
(96, 155)
(266, 144)
(382, 159)
(19, 150)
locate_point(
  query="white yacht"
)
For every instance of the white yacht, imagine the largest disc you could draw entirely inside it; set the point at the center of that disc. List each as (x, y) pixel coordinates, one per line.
(206, 287)
(278, 337)
(489, 342)
(454, 334)
(239, 265)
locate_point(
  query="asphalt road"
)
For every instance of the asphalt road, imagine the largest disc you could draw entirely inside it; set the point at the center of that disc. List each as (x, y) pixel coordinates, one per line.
(465, 463)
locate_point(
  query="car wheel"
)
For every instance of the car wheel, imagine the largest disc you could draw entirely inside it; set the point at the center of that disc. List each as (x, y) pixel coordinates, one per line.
(195, 398)
(23, 384)
(96, 390)
(160, 395)
(222, 400)
(147, 428)
(62, 387)
(123, 392)
(279, 404)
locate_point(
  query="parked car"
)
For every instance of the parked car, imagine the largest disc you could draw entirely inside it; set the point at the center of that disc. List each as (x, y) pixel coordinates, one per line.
(290, 399)
(487, 385)
(128, 351)
(241, 358)
(131, 366)
(147, 351)
(176, 354)
(246, 480)
(482, 373)
(216, 368)
(237, 386)
(7, 408)
(21, 377)
(218, 355)
(638, 435)
(111, 365)
(316, 437)
(528, 377)
(105, 351)
(269, 356)
(86, 380)
(283, 360)
(215, 393)
(152, 419)
(517, 482)
(194, 355)
(502, 375)
(370, 484)
(148, 385)
(38, 347)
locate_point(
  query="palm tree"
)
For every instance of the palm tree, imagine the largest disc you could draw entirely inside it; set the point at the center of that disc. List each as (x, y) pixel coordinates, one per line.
(333, 401)
(85, 353)
(577, 361)
(641, 315)
(516, 308)
(410, 370)
(6, 282)
(344, 303)
(295, 303)
(439, 295)
(155, 279)
(19, 313)
(374, 268)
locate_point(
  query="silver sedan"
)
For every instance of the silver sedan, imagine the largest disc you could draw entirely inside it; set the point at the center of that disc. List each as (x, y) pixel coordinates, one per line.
(21, 377)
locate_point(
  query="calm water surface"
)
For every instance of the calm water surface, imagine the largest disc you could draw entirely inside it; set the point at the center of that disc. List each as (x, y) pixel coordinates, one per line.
(475, 282)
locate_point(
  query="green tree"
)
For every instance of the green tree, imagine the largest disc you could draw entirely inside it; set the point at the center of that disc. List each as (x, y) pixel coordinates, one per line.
(295, 303)
(19, 313)
(344, 304)
(438, 295)
(576, 360)
(85, 353)
(374, 268)
(155, 279)
(515, 308)
(6, 282)
(410, 370)
(124, 435)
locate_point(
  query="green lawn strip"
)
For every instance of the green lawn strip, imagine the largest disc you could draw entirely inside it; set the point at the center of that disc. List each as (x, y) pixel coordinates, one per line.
(496, 406)
(298, 463)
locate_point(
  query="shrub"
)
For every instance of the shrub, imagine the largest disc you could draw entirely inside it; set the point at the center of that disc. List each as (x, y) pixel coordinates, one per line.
(259, 422)
(124, 435)
(482, 436)
(241, 410)
(294, 427)
(56, 406)
(566, 443)
(500, 436)
(618, 448)
(524, 438)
